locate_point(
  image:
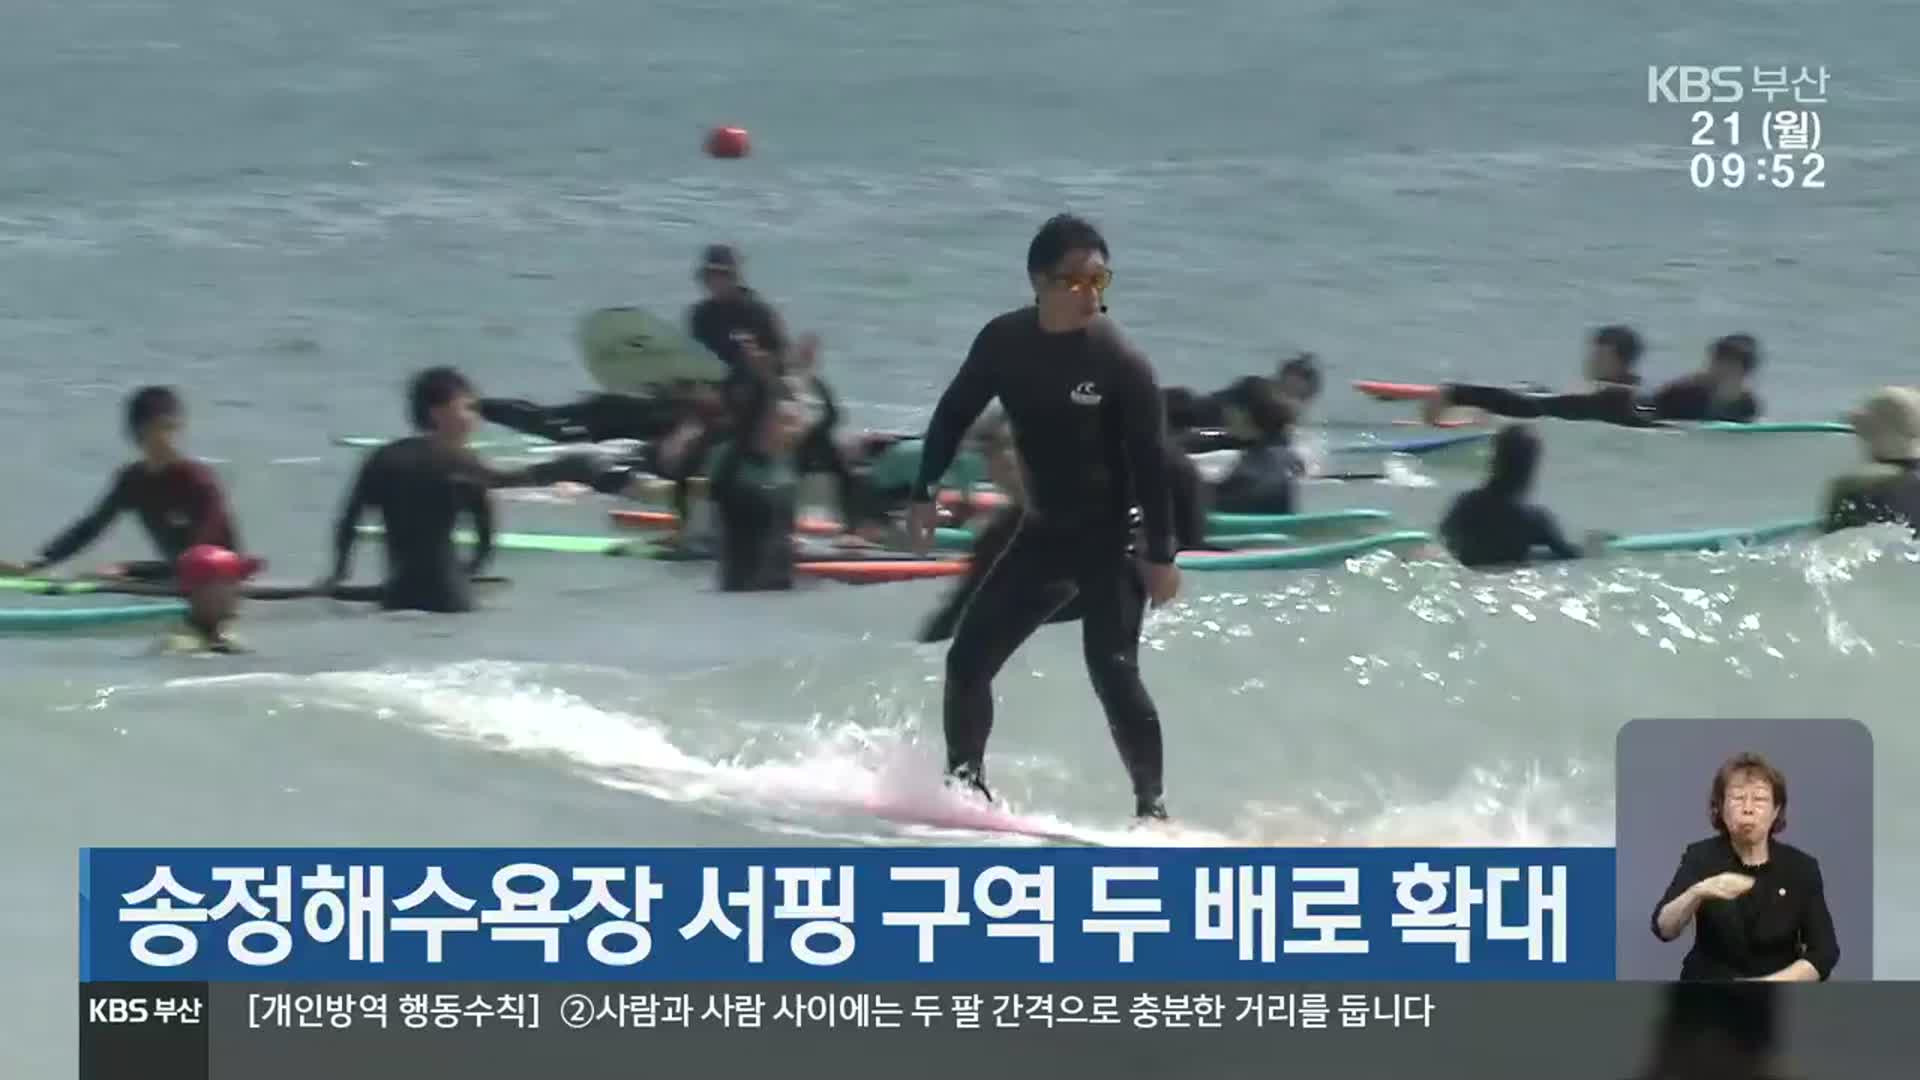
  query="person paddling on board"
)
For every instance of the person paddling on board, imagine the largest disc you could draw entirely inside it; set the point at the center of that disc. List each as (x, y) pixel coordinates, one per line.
(211, 578)
(1495, 525)
(1265, 479)
(1215, 421)
(1723, 391)
(179, 501)
(421, 485)
(1088, 421)
(1613, 354)
(1886, 489)
(754, 489)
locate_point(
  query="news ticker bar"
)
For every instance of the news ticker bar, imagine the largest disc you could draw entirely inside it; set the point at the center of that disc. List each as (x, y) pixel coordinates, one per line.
(292, 1031)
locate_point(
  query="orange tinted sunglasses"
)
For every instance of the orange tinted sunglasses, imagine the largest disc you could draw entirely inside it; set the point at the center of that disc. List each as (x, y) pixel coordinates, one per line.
(1096, 281)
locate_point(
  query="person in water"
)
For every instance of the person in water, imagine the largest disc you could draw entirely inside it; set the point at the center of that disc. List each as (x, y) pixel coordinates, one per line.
(1089, 424)
(1613, 357)
(1214, 421)
(211, 578)
(1495, 525)
(994, 438)
(178, 500)
(1722, 391)
(421, 485)
(1265, 479)
(1886, 487)
(754, 488)
(819, 450)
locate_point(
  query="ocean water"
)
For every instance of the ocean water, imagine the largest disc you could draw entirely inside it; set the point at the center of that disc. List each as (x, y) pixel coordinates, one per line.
(284, 208)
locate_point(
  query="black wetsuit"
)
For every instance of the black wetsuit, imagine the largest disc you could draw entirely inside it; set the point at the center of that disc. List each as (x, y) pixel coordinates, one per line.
(594, 418)
(1263, 481)
(1886, 493)
(1088, 424)
(1691, 397)
(1611, 403)
(1487, 527)
(179, 506)
(754, 498)
(421, 489)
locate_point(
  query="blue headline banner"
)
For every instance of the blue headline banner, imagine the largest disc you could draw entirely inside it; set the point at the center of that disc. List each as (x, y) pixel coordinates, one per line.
(563, 914)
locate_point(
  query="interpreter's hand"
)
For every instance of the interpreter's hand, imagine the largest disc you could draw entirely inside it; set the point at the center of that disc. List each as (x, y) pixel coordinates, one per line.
(921, 519)
(1163, 582)
(1726, 886)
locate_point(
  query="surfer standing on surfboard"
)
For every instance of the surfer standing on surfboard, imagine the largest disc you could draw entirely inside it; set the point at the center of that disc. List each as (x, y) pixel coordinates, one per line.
(1090, 431)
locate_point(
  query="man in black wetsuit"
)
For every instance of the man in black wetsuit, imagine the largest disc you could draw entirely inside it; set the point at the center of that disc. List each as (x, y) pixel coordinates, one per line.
(1090, 430)
(1723, 391)
(1494, 525)
(421, 485)
(1613, 355)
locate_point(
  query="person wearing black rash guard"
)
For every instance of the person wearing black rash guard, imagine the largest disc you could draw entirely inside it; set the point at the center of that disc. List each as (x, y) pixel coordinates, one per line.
(1614, 397)
(1887, 488)
(1090, 429)
(1210, 422)
(1494, 525)
(178, 500)
(754, 489)
(1265, 479)
(995, 443)
(1723, 391)
(421, 485)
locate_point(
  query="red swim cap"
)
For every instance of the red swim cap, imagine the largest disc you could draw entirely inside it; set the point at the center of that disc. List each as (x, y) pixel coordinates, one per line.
(205, 564)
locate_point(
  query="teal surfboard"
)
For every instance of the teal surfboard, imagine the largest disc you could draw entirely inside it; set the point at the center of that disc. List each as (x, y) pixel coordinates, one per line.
(1297, 558)
(552, 543)
(1317, 523)
(80, 618)
(1715, 539)
(1776, 427)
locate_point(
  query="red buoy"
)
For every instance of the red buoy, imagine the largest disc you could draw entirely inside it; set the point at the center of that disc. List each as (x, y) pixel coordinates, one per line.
(727, 142)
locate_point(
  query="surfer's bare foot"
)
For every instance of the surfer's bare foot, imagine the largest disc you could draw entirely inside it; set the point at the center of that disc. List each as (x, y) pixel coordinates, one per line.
(968, 778)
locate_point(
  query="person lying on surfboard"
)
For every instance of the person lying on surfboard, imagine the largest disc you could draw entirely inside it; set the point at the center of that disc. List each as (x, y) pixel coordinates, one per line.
(1214, 421)
(1722, 391)
(178, 500)
(1265, 478)
(1886, 488)
(1613, 354)
(210, 577)
(1495, 525)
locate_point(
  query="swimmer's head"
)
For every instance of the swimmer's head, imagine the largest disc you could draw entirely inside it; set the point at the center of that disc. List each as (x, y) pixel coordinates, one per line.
(1300, 379)
(1516, 458)
(440, 401)
(1613, 354)
(155, 418)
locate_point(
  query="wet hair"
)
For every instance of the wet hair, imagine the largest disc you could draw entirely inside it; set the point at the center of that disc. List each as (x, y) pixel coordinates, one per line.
(1624, 341)
(1516, 458)
(1742, 349)
(1271, 414)
(1747, 764)
(1307, 367)
(1061, 234)
(431, 389)
(150, 403)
